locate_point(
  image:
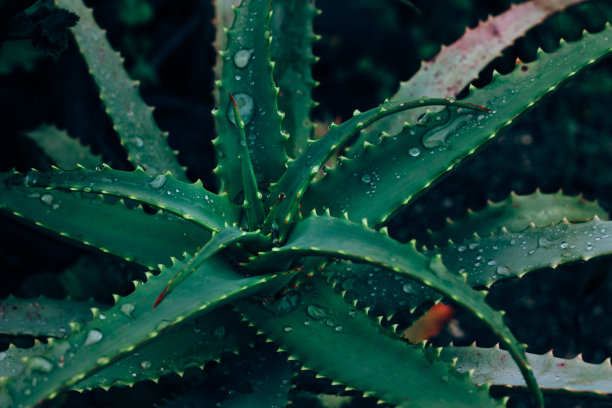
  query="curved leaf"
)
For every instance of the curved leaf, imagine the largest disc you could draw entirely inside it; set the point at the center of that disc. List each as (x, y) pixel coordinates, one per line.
(403, 166)
(335, 340)
(342, 239)
(189, 201)
(287, 193)
(468, 56)
(108, 225)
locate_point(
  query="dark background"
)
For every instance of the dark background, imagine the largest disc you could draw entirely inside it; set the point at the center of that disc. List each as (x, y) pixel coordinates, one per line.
(367, 47)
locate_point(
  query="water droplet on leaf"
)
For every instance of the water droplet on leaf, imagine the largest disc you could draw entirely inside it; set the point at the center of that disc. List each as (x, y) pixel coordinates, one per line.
(93, 337)
(47, 199)
(127, 309)
(246, 108)
(242, 57)
(158, 181)
(40, 364)
(316, 312)
(414, 151)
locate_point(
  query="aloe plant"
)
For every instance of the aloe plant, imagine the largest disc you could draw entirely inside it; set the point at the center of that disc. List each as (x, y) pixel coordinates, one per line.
(292, 248)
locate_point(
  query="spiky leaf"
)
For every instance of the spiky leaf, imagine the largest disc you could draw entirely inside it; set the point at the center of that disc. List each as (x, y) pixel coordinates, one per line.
(491, 366)
(133, 120)
(337, 341)
(403, 166)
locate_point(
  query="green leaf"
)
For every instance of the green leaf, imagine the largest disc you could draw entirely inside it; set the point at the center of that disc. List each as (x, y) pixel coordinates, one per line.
(337, 341)
(516, 213)
(492, 366)
(342, 239)
(247, 74)
(506, 255)
(107, 225)
(129, 324)
(467, 56)
(64, 150)
(483, 261)
(287, 193)
(42, 316)
(224, 18)
(190, 344)
(291, 51)
(218, 242)
(252, 196)
(403, 166)
(133, 120)
(188, 201)
(386, 295)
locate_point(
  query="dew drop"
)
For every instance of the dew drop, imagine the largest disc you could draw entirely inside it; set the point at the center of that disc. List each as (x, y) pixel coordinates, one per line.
(544, 242)
(246, 108)
(352, 313)
(414, 151)
(407, 288)
(158, 181)
(491, 262)
(127, 309)
(138, 142)
(473, 245)
(93, 337)
(462, 248)
(145, 365)
(316, 312)
(502, 270)
(47, 199)
(40, 364)
(288, 329)
(339, 328)
(366, 178)
(161, 325)
(243, 57)
(564, 245)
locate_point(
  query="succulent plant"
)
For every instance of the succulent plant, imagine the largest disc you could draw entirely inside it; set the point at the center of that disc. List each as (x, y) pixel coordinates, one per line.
(292, 249)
